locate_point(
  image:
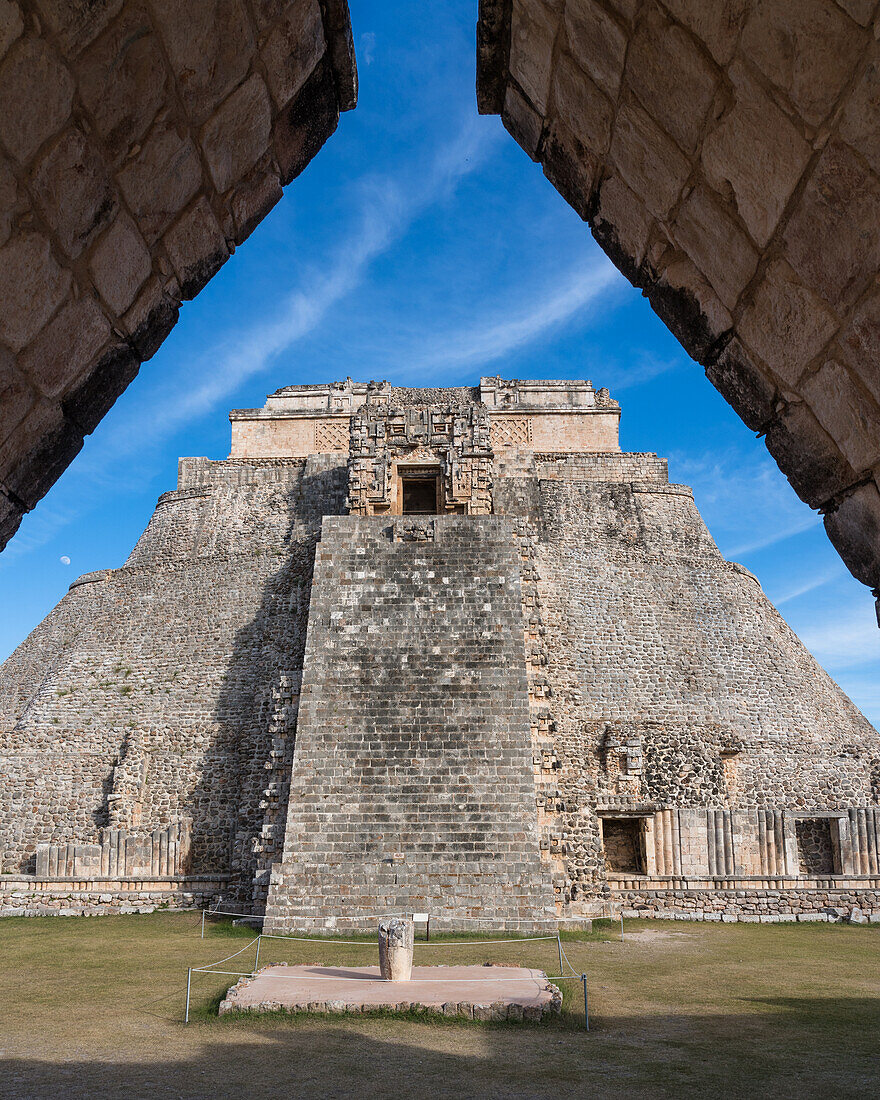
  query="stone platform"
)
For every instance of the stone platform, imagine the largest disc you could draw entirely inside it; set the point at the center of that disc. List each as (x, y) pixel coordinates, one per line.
(475, 992)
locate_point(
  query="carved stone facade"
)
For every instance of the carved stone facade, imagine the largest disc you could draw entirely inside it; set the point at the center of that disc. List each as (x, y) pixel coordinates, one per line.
(455, 664)
(451, 439)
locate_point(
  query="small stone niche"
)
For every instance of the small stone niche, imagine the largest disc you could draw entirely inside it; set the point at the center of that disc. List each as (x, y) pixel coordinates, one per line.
(816, 846)
(624, 844)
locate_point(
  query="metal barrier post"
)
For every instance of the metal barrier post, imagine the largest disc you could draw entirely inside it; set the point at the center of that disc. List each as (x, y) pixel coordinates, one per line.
(559, 945)
(621, 926)
(586, 1005)
(189, 975)
(203, 924)
(257, 959)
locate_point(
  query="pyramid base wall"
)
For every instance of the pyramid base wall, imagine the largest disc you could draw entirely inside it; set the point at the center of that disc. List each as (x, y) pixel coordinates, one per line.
(739, 901)
(30, 896)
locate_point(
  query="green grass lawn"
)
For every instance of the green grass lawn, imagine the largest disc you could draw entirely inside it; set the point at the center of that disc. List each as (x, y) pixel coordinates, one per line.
(93, 1007)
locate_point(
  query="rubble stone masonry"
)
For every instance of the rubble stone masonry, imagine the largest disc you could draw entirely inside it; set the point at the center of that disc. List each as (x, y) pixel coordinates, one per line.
(546, 697)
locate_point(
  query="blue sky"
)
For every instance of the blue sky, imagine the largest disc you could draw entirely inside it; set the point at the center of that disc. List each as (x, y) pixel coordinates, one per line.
(423, 246)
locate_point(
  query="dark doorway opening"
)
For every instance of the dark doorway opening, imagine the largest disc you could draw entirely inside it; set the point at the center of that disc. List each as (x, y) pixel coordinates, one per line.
(624, 848)
(419, 494)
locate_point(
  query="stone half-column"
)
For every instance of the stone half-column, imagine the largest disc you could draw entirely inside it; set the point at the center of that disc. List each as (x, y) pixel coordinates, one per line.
(396, 942)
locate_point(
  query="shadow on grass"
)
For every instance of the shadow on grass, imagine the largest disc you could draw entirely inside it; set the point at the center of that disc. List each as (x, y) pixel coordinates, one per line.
(397, 1055)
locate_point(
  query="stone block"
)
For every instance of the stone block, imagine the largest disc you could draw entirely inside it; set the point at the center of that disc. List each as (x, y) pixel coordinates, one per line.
(10, 518)
(754, 150)
(95, 396)
(303, 127)
(597, 43)
(860, 342)
(8, 198)
(76, 24)
(833, 237)
(533, 31)
(65, 348)
(581, 107)
(860, 10)
(120, 264)
(36, 453)
(649, 161)
(196, 247)
(153, 315)
(11, 24)
(209, 43)
(717, 25)
(671, 77)
(622, 226)
(786, 323)
(858, 123)
(522, 121)
(722, 252)
(808, 456)
(36, 93)
(569, 167)
(807, 48)
(238, 134)
(846, 412)
(854, 529)
(32, 286)
(16, 394)
(689, 307)
(122, 80)
(743, 385)
(74, 192)
(161, 179)
(292, 49)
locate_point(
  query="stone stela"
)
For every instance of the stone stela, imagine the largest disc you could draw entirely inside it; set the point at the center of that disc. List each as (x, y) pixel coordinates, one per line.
(445, 651)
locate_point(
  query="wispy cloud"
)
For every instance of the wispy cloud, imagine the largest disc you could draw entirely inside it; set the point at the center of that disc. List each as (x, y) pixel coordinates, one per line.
(772, 538)
(846, 639)
(366, 48)
(510, 327)
(806, 586)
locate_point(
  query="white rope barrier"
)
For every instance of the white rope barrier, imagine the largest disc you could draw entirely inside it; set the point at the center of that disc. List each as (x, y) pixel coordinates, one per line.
(574, 973)
(229, 973)
(228, 957)
(479, 943)
(432, 981)
(418, 943)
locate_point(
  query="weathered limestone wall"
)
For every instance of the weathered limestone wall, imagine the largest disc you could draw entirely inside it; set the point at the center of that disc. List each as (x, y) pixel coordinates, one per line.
(24, 896)
(164, 688)
(569, 705)
(412, 786)
(141, 141)
(672, 687)
(726, 157)
(256, 435)
(559, 416)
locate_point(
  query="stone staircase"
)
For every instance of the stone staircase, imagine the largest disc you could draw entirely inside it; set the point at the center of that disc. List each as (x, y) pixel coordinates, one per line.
(412, 785)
